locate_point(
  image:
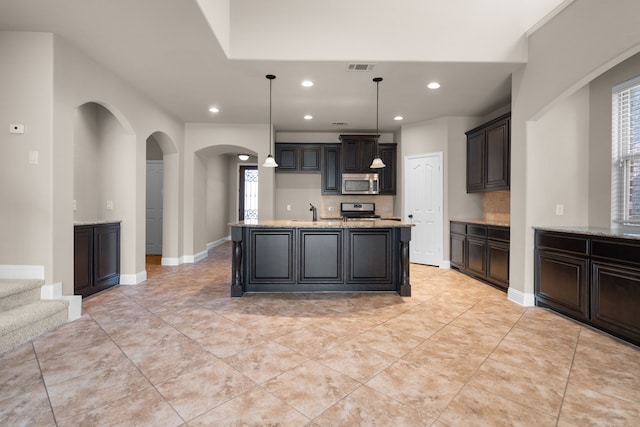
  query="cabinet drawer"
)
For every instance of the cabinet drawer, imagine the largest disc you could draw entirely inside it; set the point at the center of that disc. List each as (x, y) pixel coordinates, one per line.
(618, 251)
(458, 228)
(498, 233)
(562, 242)
(476, 230)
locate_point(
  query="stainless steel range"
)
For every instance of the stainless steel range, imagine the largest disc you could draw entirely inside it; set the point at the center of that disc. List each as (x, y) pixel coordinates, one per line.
(358, 211)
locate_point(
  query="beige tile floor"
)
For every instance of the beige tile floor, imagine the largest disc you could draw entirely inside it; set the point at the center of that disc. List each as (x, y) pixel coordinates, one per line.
(176, 350)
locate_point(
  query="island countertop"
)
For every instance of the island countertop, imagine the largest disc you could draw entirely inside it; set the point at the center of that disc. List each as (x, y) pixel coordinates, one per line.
(614, 232)
(326, 223)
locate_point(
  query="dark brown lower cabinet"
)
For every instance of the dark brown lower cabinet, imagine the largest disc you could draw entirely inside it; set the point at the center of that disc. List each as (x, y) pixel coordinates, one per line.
(96, 257)
(590, 278)
(481, 251)
(320, 259)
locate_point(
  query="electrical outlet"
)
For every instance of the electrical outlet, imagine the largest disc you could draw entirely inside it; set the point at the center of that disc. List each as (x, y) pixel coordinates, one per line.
(109, 205)
(288, 207)
(75, 205)
(559, 209)
(33, 157)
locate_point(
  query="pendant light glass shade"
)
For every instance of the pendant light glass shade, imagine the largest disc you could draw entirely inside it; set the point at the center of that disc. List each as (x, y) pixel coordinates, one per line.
(243, 157)
(270, 162)
(377, 162)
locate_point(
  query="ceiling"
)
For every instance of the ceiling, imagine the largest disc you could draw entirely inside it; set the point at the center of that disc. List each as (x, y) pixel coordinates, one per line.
(189, 55)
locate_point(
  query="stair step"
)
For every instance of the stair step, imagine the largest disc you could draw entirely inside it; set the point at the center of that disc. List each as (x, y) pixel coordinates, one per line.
(28, 321)
(17, 292)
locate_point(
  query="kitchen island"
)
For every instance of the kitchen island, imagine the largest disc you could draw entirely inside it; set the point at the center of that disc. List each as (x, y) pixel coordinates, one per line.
(320, 256)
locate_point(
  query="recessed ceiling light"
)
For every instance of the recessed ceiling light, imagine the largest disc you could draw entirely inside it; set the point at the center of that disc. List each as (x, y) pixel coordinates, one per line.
(308, 117)
(433, 85)
(398, 118)
(214, 110)
(307, 83)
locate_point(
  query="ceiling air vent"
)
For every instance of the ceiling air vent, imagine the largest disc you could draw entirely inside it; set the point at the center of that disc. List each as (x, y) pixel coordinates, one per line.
(360, 67)
(339, 123)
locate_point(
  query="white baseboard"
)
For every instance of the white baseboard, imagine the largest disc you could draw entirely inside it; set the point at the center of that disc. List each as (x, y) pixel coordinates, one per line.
(22, 272)
(75, 306)
(218, 242)
(445, 264)
(133, 279)
(527, 300)
(170, 261)
(192, 259)
(54, 292)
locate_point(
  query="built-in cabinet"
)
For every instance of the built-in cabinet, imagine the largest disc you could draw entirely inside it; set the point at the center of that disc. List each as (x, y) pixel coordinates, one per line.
(353, 155)
(591, 278)
(489, 156)
(481, 251)
(299, 158)
(331, 169)
(96, 257)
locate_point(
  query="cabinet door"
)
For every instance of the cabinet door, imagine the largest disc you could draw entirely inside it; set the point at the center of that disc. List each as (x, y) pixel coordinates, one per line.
(498, 263)
(368, 152)
(272, 256)
(476, 250)
(82, 260)
(387, 175)
(497, 156)
(331, 170)
(107, 254)
(310, 159)
(351, 156)
(457, 243)
(369, 256)
(561, 282)
(320, 256)
(287, 157)
(615, 299)
(475, 161)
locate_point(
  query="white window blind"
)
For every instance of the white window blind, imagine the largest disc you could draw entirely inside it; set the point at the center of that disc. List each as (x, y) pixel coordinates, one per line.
(625, 170)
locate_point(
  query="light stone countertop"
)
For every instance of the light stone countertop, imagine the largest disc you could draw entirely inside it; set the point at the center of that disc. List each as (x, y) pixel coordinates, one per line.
(98, 222)
(326, 223)
(483, 222)
(620, 233)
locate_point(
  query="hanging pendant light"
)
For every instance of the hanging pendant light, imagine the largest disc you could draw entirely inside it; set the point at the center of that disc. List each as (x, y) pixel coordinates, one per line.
(377, 162)
(270, 162)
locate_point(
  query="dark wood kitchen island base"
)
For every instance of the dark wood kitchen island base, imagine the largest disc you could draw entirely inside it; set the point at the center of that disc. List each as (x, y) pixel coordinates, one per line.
(320, 256)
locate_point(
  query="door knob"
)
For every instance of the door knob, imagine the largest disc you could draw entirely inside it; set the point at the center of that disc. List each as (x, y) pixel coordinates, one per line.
(411, 216)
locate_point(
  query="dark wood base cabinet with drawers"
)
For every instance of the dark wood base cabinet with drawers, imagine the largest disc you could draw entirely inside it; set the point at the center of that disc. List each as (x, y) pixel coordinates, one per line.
(96, 258)
(591, 278)
(481, 251)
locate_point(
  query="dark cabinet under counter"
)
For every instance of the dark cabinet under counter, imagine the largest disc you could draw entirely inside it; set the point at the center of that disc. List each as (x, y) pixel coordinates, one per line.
(481, 250)
(591, 277)
(320, 256)
(96, 257)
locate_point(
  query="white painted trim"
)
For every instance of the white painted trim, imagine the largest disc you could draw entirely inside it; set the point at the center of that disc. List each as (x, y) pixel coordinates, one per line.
(170, 261)
(53, 291)
(75, 306)
(445, 264)
(541, 23)
(218, 242)
(133, 279)
(527, 300)
(200, 256)
(192, 259)
(22, 272)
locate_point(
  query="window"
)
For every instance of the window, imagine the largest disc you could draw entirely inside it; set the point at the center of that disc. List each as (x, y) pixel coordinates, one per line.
(625, 170)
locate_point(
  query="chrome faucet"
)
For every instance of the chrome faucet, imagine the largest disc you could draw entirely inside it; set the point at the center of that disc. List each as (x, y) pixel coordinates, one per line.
(315, 212)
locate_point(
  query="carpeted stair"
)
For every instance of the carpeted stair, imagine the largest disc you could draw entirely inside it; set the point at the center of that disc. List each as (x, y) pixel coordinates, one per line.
(23, 315)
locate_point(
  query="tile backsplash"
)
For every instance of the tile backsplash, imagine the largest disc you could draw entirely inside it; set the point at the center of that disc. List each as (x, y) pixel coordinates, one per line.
(330, 205)
(497, 205)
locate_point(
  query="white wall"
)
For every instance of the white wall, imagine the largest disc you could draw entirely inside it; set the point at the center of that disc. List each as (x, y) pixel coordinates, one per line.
(297, 190)
(26, 190)
(600, 139)
(564, 55)
(219, 197)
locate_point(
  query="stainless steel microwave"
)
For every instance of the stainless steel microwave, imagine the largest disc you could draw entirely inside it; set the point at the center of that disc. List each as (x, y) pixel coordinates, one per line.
(360, 183)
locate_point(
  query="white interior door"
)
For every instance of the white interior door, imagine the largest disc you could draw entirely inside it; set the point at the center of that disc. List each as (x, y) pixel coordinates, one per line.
(154, 207)
(423, 207)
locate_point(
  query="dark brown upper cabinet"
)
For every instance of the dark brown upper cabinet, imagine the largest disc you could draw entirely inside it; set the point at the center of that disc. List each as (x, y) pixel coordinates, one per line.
(299, 158)
(358, 152)
(489, 156)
